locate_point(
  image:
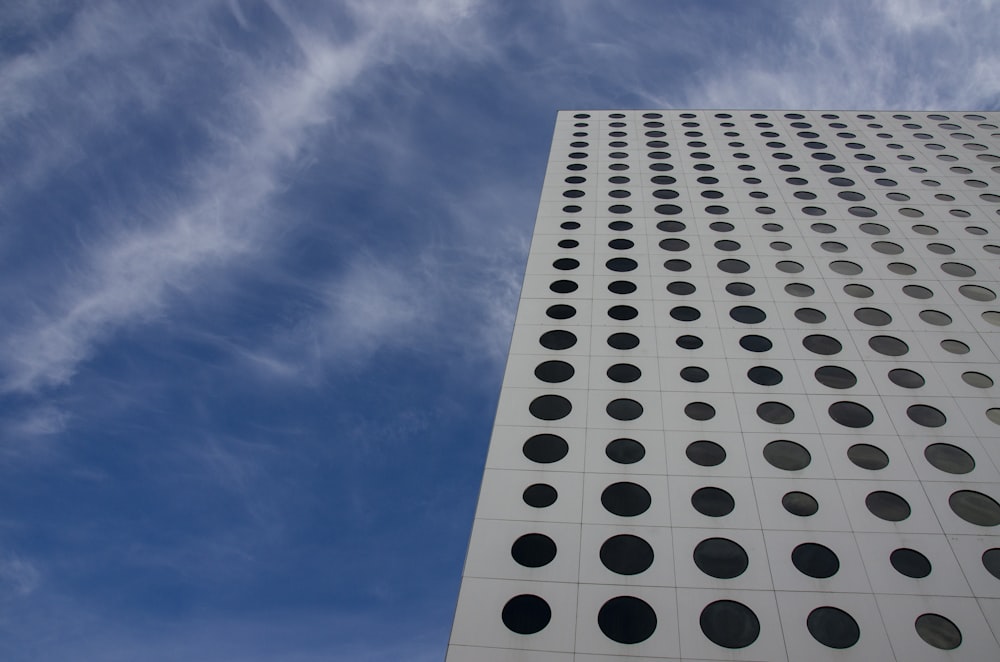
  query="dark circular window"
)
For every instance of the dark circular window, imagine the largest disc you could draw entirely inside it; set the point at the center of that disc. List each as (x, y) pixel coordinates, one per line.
(753, 343)
(925, 415)
(557, 339)
(623, 341)
(545, 448)
(720, 558)
(815, 560)
(665, 194)
(917, 292)
(717, 209)
(748, 314)
(699, 411)
(938, 631)
(526, 614)
(977, 293)
(845, 268)
(787, 455)
(625, 499)
(901, 268)
(799, 504)
(820, 344)
(674, 245)
(619, 226)
(888, 506)
(533, 550)
(621, 264)
(833, 627)
(668, 210)
(991, 561)
(685, 313)
(540, 495)
(554, 372)
(975, 507)
(727, 245)
(910, 562)
(721, 226)
(810, 315)
(626, 554)
(872, 316)
(740, 289)
(733, 266)
(568, 243)
(851, 414)
(888, 345)
(677, 265)
(958, 269)
(764, 375)
(622, 313)
(627, 620)
(680, 288)
(906, 378)
(949, 458)
(689, 342)
(563, 286)
(858, 291)
(823, 228)
(729, 624)
(550, 407)
(625, 451)
(560, 311)
(713, 501)
(776, 413)
(624, 373)
(694, 374)
(874, 228)
(868, 457)
(834, 376)
(621, 244)
(705, 453)
(789, 267)
(624, 409)
(621, 287)
(670, 226)
(954, 346)
(619, 209)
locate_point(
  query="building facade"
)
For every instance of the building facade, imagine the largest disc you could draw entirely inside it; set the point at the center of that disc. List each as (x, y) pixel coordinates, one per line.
(750, 409)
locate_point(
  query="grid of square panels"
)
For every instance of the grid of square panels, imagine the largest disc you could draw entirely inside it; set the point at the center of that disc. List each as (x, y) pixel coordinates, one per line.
(749, 410)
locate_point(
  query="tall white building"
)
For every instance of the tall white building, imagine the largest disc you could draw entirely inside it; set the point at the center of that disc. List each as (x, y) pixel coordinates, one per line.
(750, 409)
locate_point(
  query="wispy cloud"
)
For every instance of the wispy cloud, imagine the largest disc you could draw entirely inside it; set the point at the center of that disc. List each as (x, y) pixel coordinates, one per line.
(264, 125)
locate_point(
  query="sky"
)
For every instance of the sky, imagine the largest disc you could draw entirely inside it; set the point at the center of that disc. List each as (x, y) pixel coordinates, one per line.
(259, 264)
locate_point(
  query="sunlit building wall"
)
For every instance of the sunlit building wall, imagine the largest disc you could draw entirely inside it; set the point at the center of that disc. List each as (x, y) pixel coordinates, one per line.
(750, 410)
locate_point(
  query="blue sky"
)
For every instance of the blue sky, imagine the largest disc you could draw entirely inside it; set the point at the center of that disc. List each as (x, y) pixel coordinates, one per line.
(259, 263)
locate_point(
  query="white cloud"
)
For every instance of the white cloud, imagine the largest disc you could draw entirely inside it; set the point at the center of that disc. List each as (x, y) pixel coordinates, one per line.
(126, 277)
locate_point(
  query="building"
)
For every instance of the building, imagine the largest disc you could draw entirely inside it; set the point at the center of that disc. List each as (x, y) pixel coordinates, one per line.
(750, 411)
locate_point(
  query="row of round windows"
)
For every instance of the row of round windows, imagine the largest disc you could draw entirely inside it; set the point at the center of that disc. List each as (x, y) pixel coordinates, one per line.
(831, 376)
(816, 343)
(783, 454)
(933, 117)
(723, 558)
(630, 620)
(661, 165)
(776, 144)
(659, 155)
(552, 407)
(753, 315)
(811, 136)
(738, 266)
(839, 181)
(629, 499)
(870, 228)
(859, 211)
